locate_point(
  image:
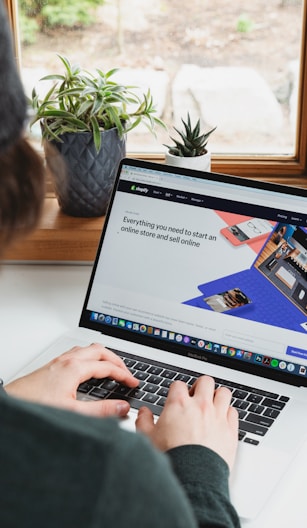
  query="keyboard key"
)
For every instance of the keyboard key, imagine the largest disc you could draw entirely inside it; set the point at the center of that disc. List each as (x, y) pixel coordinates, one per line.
(272, 413)
(140, 375)
(251, 441)
(240, 404)
(109, 384)
(141, 366)
(163, 391)
(150, 387)
(136, 393)
(169, 374)
(99, 392)
(151, 398)
(241, 414)
(259, 419)
(255, 398)
(95, 382)
(255, 408)
(167, 383)
(182, 377)
(249, 427)
(154, 379)
(85, 387)
(116, 396)
(129, 362)
(155, 370)
(137, 404)
(240, 394)
(275, 404)
(123, 390)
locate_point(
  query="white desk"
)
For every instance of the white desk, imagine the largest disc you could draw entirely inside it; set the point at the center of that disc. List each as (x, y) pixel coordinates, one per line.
(40, 302)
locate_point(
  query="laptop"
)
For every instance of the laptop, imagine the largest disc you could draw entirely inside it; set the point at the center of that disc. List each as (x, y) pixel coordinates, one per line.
(203, 273)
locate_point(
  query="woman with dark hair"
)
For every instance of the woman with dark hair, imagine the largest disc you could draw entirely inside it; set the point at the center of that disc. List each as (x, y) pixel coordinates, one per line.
(62, 465)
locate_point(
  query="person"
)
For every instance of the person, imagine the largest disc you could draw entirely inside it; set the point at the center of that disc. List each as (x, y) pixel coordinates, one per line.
(68, 463)
(281, 253)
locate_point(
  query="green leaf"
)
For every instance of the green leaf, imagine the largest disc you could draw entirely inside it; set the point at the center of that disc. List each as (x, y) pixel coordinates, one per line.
(54, 77)
(96, 133)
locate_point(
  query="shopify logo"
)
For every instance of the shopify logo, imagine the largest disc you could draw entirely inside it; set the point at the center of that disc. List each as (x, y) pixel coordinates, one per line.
(139, 189)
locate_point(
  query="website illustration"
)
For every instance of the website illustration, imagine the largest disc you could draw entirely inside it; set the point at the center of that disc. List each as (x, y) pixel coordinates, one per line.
(273, 290)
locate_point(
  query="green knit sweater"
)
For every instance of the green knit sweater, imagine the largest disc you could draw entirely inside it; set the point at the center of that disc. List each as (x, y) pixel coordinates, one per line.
(62, 470)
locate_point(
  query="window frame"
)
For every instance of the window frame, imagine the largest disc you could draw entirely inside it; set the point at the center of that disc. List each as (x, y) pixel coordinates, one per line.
(277, 168)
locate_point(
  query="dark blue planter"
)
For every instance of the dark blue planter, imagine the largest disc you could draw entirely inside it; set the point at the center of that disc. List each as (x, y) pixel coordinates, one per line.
(83, 179)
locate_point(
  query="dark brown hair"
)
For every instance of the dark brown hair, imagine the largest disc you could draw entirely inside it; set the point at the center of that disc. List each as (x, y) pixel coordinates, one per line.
(22, 188)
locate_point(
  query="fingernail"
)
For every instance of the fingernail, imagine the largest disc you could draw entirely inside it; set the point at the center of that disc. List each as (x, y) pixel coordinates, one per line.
(122, 408)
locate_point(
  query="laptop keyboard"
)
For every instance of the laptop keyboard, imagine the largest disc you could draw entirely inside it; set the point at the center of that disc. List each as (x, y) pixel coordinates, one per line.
(257, 409)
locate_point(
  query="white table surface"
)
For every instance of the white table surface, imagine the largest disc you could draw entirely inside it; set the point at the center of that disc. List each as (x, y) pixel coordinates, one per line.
(40, 302)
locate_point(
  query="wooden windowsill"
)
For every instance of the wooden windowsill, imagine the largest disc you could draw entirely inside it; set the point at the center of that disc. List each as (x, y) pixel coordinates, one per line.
(59, 237)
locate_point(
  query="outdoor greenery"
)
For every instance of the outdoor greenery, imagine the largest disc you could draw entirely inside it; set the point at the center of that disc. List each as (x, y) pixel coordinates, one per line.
(81, 101)
(244, 24)
(192, 142)
(37, 15)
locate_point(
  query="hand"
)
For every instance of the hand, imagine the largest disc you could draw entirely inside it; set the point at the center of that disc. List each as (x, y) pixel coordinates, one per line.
(200, 416)
(56, 383)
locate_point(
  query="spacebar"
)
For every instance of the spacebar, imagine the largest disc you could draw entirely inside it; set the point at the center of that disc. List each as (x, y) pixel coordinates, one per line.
(137, 404)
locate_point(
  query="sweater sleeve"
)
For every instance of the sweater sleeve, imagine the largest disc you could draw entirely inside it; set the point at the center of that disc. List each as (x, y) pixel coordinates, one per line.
(204, 476)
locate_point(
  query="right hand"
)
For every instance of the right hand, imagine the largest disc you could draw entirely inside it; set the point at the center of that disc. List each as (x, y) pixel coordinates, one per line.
(201, 416)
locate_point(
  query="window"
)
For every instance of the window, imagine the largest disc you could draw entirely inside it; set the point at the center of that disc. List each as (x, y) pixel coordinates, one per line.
(242, 68)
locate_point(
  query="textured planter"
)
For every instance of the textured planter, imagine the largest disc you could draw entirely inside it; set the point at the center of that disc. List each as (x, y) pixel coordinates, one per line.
(83, 179)
(201, 163)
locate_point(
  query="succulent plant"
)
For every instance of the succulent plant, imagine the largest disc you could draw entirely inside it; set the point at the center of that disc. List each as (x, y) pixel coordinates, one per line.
(192, 142)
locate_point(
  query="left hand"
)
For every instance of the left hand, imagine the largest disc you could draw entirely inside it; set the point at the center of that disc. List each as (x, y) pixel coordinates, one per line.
(56, 383)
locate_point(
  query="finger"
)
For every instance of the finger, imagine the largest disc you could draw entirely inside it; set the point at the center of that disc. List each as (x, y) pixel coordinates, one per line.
(203, 388)
(102, 408)
(178, 391)
(107, 354)
(95, 351)
(145, 421)
(222, 398)
(233, 417)
(106, 369)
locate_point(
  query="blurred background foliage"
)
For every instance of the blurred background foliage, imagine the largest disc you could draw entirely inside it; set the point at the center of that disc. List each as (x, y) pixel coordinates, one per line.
(41, 15)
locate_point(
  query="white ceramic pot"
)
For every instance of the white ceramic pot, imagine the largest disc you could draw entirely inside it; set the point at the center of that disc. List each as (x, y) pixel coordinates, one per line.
(201, 163)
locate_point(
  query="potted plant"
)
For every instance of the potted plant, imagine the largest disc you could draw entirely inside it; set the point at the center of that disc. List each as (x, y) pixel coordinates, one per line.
(84, 120)
(190, 150)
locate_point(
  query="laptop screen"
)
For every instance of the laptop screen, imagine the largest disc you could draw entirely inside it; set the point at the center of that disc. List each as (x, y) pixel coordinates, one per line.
(205, 265)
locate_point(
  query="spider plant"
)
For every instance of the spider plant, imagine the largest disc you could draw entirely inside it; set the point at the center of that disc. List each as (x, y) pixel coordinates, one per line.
(83, 101)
